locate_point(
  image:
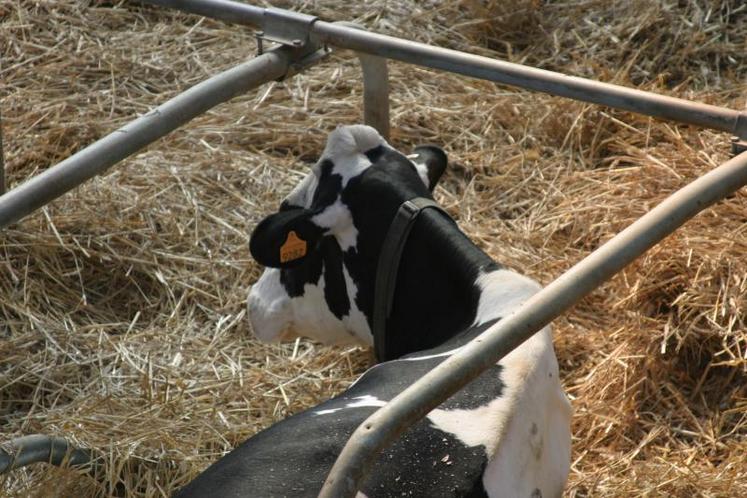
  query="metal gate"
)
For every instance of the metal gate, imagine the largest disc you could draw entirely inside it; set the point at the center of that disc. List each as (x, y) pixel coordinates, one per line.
(300, 41)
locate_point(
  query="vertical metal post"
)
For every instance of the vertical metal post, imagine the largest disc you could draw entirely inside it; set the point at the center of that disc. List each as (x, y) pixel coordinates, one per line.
(375, 93)
(375, 88)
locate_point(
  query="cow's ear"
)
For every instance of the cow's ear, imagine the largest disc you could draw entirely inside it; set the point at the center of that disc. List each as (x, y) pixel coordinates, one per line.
(285, 239)
(434, 159)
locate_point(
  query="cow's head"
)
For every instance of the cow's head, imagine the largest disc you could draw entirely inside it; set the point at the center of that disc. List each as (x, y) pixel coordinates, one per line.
(321, 248)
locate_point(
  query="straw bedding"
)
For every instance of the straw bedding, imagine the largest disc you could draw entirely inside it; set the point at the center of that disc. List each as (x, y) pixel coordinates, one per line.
(122, 321)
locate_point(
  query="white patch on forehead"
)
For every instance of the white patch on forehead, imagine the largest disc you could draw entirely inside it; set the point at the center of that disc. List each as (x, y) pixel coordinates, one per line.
(502, 292)
(351, 140)
(303, 194)
(346, 148)
(349, 167)
(339, 220)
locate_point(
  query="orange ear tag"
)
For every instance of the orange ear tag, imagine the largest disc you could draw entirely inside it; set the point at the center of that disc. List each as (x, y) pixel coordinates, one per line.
(293, 248)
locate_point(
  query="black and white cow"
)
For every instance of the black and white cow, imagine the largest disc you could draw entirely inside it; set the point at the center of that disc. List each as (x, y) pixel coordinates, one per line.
(506, 435)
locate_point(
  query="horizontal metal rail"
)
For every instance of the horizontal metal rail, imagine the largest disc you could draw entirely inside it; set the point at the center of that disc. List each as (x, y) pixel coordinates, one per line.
(381, 428)
(39, 448)
(101, 155)
(585, 90)
(508, 73)
(223, 10)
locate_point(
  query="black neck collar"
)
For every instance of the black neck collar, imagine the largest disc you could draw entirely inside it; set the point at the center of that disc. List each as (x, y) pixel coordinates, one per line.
(386, 272)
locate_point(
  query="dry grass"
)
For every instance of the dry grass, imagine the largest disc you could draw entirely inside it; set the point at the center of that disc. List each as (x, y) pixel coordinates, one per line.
(122, 322)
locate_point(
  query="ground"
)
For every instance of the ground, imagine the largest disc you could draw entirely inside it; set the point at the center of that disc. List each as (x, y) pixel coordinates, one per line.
(122, 321)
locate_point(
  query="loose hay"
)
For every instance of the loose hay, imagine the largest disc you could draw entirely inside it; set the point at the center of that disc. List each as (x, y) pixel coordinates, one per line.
(122, 304)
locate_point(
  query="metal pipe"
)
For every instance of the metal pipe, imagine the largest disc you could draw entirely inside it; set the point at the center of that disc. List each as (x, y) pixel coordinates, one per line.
(101, 155)
(39, 448)
(375, 93)
(507, 73)
(231, 12)
(375, 89)
(412, 404)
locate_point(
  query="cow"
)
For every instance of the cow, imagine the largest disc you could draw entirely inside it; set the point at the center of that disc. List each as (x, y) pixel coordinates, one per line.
(507, 434)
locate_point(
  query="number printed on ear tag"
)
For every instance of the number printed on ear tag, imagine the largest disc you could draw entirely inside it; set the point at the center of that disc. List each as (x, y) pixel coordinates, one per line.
(293, 248)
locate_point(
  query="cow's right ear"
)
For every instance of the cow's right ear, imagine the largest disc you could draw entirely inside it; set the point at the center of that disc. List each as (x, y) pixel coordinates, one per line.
(285, 239)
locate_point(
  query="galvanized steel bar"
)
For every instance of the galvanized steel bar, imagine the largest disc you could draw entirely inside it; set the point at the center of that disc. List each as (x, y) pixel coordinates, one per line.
(223, 10)
(375, 93)
(581, 89)
(101, 155)
(381, 428)
(507, 73)
(375, 89)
